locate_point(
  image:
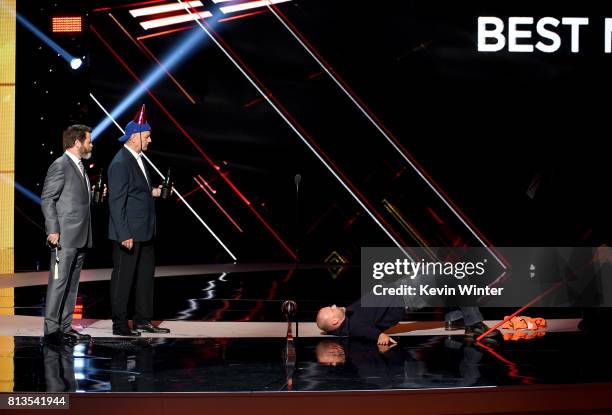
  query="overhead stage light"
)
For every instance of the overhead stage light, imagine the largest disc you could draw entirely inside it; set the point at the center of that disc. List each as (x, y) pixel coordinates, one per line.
(72, 60)
(249, 5)
(76, 63)
(67, 24)
(172, 20)
(164, 8)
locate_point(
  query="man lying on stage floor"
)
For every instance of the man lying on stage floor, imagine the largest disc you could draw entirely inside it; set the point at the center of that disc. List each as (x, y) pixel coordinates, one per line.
(371, 322)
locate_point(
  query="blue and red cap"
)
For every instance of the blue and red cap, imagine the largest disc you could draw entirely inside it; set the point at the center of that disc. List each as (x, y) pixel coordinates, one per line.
(138, 125)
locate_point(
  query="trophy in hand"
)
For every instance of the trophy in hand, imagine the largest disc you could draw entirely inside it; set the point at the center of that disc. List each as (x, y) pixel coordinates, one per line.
(166, 190)
(99, 189)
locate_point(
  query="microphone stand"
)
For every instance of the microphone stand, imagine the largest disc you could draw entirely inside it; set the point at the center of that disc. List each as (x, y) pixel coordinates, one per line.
(298, 179)
(298, 239)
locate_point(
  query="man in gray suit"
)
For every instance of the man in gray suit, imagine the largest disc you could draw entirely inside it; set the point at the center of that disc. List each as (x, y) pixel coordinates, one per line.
(65, 205)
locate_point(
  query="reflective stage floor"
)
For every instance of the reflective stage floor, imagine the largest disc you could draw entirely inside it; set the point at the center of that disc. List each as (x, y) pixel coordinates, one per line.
(306, 364)
(228, 336)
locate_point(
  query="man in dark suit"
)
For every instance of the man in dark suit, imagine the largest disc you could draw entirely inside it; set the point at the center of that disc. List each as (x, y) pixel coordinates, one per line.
(371, 322)
(132, 228)
(65, 206)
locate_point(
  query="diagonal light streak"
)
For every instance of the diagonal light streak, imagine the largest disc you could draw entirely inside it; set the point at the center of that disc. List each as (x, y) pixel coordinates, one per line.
(298, 133)
(371, 117)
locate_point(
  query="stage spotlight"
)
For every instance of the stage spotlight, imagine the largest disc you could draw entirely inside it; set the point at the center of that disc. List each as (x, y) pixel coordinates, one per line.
(175, 56)
(49, 42)
(76, 63)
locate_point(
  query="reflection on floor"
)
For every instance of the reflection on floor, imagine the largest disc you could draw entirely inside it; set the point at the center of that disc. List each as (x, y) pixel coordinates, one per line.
(228, 334)
(304, 364)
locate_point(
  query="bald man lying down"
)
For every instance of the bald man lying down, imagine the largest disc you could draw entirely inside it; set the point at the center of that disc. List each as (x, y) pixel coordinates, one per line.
(371, 322)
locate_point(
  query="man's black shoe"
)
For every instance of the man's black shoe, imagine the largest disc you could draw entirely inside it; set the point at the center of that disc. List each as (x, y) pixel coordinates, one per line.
(454, 325)
(479, 328)
(59, 338)
(125, 331)
(150, 328)
(78, 336)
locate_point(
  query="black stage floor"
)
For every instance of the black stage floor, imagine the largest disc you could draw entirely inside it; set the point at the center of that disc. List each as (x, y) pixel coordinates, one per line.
(314, 364)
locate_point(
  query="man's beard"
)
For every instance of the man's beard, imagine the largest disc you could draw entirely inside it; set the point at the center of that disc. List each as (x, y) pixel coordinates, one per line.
(86, 156)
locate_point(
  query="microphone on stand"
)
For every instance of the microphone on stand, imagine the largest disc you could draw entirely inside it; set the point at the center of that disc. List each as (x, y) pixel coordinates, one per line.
(298, 179)
(289, 307)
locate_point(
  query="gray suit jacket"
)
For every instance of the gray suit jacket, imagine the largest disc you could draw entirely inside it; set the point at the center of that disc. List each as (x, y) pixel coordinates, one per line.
(65, 204)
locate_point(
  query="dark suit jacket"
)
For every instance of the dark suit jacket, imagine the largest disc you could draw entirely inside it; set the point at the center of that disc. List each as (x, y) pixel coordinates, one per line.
(65, 204)
(130, 203)
(369, 322)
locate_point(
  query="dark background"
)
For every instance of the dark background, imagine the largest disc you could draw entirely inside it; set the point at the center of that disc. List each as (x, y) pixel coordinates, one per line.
(483, 125)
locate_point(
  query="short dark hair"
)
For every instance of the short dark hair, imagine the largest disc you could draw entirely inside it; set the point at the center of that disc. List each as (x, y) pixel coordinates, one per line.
(73, 133)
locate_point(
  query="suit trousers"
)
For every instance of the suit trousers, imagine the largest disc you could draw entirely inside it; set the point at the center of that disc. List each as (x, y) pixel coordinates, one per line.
(62, 292)
(132, 268)
(470, 315)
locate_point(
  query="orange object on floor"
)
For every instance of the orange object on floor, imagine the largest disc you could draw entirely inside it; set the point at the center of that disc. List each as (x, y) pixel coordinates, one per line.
(522, 335)
(524, 328)
(524, 323)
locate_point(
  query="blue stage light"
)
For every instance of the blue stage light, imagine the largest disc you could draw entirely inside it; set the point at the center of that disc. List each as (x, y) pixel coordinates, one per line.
(176, 55)
(28, 193)
(48, 41)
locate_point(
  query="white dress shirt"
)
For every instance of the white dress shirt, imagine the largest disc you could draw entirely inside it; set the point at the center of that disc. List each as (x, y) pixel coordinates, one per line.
(138, 157)
(76, 160)
(78, 163)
